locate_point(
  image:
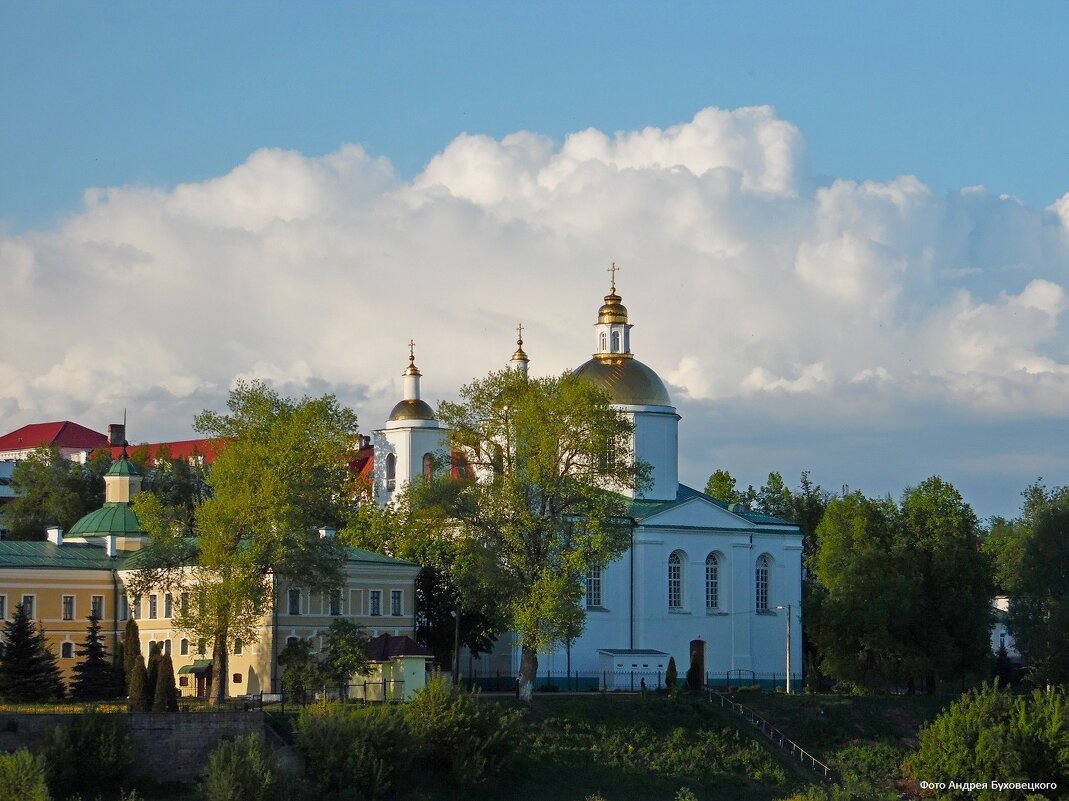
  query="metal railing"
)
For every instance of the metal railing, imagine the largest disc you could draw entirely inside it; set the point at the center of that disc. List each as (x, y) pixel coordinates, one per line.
(771, 732)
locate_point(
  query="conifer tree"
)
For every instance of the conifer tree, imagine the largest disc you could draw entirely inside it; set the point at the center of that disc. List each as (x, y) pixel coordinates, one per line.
(28, 670)
(152, 671)
(131, 643)
(165, 698)
(139, 700)
(93, 676)
(671, 676)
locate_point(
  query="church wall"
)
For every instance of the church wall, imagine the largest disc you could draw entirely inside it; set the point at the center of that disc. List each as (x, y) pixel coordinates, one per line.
(656, 442)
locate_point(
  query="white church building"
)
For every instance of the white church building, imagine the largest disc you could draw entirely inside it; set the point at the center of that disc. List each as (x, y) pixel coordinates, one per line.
(700, 577)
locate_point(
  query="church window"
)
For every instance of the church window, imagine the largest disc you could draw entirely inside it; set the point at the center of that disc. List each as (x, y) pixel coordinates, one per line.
(604, 343)
(391, 472)
(675, 581)
(593, 587)
(428, 466)
(761, 581)
(712, 581)
(615, 341)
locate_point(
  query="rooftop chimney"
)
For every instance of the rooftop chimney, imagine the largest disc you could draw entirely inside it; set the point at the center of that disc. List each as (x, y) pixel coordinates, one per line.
(55, 535)
(117, 435)
(109, 545)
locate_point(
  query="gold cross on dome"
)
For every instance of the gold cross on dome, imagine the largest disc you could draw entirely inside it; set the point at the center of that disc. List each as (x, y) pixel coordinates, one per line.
(519, 333)
(411, 352)
(613, 270)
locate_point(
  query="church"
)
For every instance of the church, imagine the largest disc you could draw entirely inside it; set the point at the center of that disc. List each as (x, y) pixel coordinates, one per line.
(701, 579)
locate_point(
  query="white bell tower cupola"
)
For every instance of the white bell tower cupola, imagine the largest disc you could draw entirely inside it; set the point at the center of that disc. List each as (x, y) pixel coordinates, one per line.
(613, 332)
(519, 361)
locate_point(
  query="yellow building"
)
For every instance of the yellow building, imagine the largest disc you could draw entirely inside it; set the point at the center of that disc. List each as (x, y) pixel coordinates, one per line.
(65, 578)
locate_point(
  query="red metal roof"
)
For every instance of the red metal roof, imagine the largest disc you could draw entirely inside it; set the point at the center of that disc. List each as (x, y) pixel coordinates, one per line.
(63, 434)
(386, 646)
(181, 449)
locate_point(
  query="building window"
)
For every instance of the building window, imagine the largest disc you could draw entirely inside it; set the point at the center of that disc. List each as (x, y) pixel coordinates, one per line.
(291, 641)
(391, 472)
(356, 602)
(428, 466)
(66, 650)
(167, 647)
(295, 602)
(374, 598)
(97, 608)
(68, 607)
(593, 587)
(237, 678)
(761, 581)
(137, 608)
(604, 343)
(712, 581)
(153, 607)
(183, 681)
(183, 603)
(395, 602)
(168, 605)
(3, 607)
(675, 581)
(615, 341)
(124, 607)
(335, 602)
(237, 649)
(183, 647)
(28, 605)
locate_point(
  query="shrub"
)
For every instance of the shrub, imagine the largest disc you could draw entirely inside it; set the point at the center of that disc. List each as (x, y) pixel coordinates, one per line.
(22, 776)
(460, 735)
(353, 753)
(245, 769)
(140, 700)
(872, 762)
(102, 750)
(685, 794)
(165, 698)
(671, 676)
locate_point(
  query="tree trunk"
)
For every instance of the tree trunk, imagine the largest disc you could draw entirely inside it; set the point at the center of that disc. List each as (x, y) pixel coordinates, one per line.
(219, 666)
(528, 670)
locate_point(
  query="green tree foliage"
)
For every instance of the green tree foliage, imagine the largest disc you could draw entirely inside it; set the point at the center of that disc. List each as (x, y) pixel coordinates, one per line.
(22, 777)
(89, 753)
(245, 769)
(28, 670)
(903, 592)
(457, 573)
(300, 670)
(180, 484)
(165, 697)
(354, 752)
(346, 654)
(152, 669)
(548, 457)
(459, 735)
(280, 474)
(94, 675)
(671, 676)
(775, 498)
(1039, 606)
(131, 648)
(137, 691)
(722, 486)
(993, 734)
(51, 490)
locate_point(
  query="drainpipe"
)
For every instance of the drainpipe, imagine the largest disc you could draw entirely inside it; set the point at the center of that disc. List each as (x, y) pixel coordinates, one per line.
(114, 615)
(632, 593)
(274, 633)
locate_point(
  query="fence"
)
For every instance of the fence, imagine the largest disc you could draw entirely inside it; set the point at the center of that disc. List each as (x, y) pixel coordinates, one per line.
(771, 732)
(626, 680)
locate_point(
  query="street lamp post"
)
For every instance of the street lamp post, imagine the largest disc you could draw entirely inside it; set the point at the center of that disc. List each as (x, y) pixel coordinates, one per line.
(788, 608)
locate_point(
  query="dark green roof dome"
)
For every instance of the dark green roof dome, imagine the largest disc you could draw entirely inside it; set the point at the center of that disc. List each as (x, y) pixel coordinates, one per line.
(628, 381)
(112, 518)
(123, 467)
(412, 410)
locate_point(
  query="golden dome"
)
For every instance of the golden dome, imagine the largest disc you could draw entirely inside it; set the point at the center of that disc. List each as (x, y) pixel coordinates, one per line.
(412, 410)
(627, 380)
(613, 311)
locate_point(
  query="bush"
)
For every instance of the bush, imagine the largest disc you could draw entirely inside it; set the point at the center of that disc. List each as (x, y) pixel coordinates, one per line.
(90, 752)
(460, 735)
(873, 762)
(245, 769)
(22, 776)
(353, 753)
(671, 676)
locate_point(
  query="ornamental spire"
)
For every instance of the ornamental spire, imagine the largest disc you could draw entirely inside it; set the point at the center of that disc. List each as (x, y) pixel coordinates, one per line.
(519, 358)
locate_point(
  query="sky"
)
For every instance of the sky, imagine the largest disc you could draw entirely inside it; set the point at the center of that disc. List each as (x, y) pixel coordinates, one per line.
(842, 228)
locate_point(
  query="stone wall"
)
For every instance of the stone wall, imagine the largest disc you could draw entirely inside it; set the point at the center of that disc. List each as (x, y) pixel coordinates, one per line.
(167, 747)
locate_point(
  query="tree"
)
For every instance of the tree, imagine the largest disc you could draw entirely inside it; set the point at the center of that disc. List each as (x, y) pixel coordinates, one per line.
(28, 670)
(131, 649)
(721, 485)
(883, 607)
(94, 676)
(180, 484)
(1039, 607)
(775, 498)
(152, 669)
(281, 474)
(165, 698)
(139, 699)
(300, 671)
(51, 490)
(346, 652)
(671, 676)
(548, 459)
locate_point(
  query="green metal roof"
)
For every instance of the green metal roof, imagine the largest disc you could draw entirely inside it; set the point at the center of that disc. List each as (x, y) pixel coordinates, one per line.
(112, 518)
(123, 467)
(642, 509)
(360, 555)
(198, 667)
(69, 556)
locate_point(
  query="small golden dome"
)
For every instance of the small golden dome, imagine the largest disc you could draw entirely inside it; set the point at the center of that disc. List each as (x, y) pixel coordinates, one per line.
(412, 410)
(613, 311)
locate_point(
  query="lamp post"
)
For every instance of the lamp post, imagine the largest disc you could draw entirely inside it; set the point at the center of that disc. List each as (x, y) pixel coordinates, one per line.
(788, 608)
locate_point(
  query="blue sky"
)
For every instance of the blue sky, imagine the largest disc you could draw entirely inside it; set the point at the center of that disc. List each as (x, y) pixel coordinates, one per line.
(956, 93)
(843, 228)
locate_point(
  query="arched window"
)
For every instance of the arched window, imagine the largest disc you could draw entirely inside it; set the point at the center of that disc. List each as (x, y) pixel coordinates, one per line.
(761, 581)
(593, 587)
(183, 647)
(428, 466)
(675, 580)
(712, 581)
(615, 341)
(604, 343)
(391, 472)
(167, 647)
(237, 649)
(67, 650)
